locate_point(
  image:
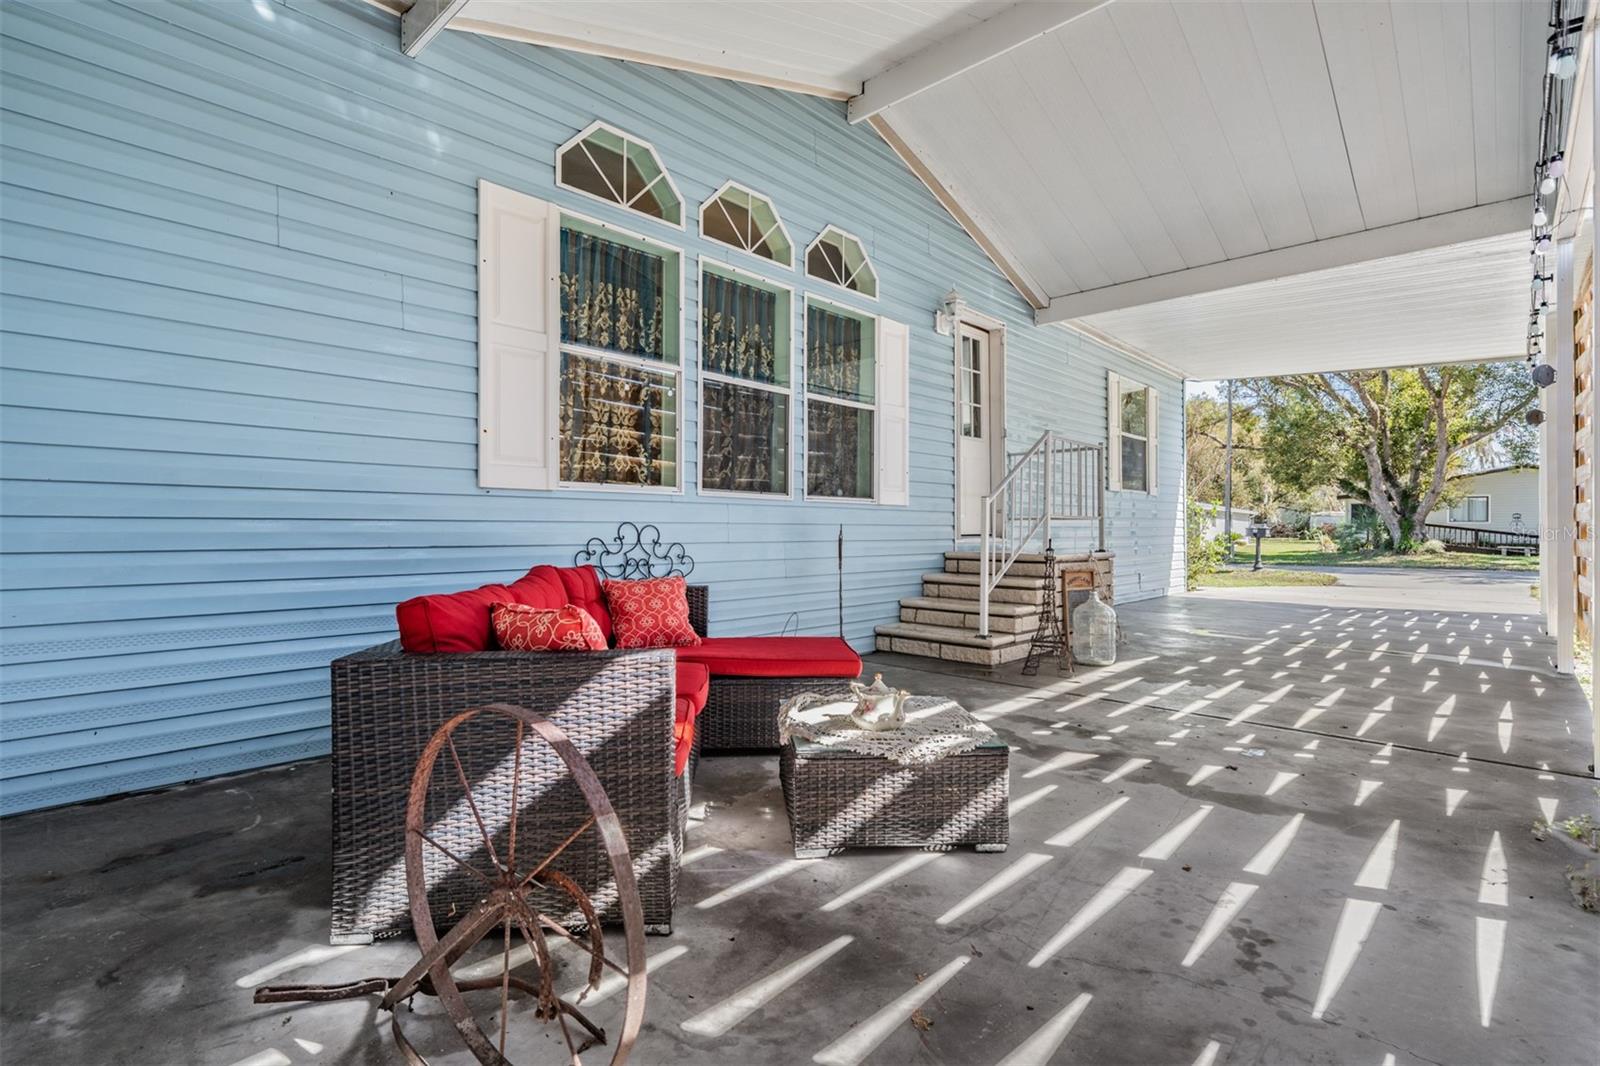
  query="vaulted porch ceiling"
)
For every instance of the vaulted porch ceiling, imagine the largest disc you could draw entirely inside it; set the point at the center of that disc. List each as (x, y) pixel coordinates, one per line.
(1350, 177)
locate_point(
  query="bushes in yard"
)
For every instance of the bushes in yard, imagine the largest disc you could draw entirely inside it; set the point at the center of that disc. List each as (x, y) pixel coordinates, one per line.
(1203, 553)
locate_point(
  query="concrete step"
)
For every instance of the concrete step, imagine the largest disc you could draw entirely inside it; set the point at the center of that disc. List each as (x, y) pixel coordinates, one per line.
(952, 644)
(963, 614)
(1026, 590)
(969, 563)
(971, 555)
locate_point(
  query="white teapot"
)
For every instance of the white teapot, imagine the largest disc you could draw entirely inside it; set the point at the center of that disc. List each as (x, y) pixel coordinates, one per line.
(877, 705)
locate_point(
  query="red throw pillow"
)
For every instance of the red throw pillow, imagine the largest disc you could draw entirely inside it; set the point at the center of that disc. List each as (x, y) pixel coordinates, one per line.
(653, 613)
(519, 627)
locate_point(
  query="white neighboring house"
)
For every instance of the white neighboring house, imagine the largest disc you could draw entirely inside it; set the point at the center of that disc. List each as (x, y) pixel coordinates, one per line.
(1505, 498)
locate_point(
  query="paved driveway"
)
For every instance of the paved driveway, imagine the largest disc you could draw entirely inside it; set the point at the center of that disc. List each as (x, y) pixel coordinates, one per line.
(1467, 591)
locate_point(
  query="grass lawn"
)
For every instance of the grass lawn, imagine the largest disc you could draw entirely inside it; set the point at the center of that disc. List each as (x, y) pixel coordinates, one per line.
(1288, 550)
(1247, 578)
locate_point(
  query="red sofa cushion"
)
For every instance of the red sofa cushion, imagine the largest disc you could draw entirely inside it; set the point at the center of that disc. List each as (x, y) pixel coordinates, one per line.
(450, 622)
(555, 586)
(540, 589)
(651, 613)
(682, 734)
(774, 657)
(694, 684)
(519, 627)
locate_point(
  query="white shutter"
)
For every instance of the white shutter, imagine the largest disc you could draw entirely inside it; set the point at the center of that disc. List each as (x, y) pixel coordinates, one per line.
(894, 412)
(518, 331)
(1153, 429)
(1113, 432)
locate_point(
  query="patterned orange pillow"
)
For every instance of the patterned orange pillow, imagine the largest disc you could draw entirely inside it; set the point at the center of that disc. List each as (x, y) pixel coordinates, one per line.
(519, 627)
(653, 613)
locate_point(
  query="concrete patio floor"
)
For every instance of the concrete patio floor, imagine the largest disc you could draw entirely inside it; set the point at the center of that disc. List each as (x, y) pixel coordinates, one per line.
(1288, 826)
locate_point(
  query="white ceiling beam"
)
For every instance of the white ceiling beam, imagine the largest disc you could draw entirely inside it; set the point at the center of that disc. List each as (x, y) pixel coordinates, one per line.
(425, 20)
(968, 48)
(1402, 238)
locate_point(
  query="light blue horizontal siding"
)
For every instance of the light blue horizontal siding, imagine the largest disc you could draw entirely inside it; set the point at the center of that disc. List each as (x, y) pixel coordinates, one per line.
(239, 365)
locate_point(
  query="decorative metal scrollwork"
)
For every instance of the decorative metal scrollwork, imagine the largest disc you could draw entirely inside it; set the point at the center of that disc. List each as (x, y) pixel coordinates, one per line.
(635, 552)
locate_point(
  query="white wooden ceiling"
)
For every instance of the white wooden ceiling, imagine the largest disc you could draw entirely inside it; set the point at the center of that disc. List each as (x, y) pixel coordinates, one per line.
(827, 45)
(1135, 166)
(1464, 302)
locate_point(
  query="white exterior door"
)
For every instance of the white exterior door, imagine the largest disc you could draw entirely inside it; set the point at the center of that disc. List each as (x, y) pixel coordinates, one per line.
(977, 430)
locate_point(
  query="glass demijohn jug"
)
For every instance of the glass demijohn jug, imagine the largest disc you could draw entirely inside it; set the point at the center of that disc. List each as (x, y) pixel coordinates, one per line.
(1094, 632)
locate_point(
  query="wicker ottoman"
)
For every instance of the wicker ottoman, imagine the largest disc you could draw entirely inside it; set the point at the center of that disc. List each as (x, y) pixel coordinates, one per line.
(843, 799)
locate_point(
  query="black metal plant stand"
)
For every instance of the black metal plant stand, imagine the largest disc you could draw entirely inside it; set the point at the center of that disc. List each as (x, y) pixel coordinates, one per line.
(1049, 639)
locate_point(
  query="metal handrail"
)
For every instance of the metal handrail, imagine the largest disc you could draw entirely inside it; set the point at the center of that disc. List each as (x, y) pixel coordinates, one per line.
(1057, 479)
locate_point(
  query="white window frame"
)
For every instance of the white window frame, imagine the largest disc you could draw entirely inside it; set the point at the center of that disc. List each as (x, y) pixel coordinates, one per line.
(1116, 387)
(796, 361)
(627, 137)
(777, 225)
(1465, 503)
(866, 260)
(805, 347)
(652, 366)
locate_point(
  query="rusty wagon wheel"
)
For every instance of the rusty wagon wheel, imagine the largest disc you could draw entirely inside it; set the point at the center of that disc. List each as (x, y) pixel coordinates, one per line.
(509, 884)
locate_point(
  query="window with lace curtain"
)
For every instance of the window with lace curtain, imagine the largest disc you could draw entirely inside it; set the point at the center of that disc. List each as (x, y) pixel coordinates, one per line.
(745, 397)
(620, 368)
(841, 401)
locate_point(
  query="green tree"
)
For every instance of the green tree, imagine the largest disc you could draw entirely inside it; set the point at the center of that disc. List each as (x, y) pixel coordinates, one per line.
(1254, 485)
(1393, 438)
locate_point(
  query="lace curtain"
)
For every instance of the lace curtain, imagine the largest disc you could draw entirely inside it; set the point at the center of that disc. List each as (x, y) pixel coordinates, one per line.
(838, 437)
(618, 422)
(835, 362)
(838, 450)
(744, 440)
(612, 296)
(738, 327)
(745, 437)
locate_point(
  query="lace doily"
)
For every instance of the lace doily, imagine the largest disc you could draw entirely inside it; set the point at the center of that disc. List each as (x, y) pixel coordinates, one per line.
(935, 727)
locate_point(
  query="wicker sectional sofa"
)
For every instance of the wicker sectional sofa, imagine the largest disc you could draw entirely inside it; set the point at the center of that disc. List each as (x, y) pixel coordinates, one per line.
(624, 709)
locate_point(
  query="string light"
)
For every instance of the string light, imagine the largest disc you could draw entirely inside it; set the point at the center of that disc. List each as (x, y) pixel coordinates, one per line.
(1560, 67)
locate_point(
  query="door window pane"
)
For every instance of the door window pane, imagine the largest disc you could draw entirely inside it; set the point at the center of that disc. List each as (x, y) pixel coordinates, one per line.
(971, 382)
